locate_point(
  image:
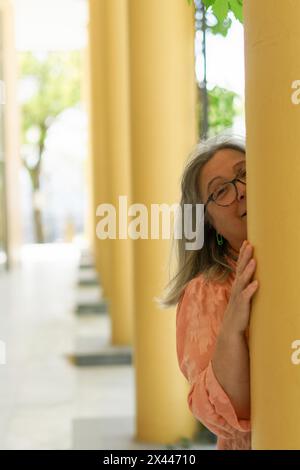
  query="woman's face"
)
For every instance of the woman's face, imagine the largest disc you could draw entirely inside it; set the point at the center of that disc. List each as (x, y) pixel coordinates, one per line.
(228, 221)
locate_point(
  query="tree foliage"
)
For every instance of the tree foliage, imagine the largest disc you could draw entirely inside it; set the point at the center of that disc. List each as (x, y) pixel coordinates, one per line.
(222, 8)
(222, 109)
(54, 82)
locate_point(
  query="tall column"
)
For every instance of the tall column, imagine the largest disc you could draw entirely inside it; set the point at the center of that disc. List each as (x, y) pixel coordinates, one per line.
(163, 103)
(272, 51)
(118, 144)
(89, 220)
(109, 21)
(11, 141)
(98, 134)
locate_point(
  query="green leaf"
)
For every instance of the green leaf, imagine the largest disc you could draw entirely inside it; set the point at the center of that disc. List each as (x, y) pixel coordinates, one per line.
(220, 9)
(189, 2)
(221, 27)
(237, 7)
(208, 3)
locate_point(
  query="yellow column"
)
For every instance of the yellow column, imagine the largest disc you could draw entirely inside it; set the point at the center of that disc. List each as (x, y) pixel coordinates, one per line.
(89, 221)
(272, 50)
(98, 134)
(113, 105)
(163, 103)
(11, 132)
(118, 144)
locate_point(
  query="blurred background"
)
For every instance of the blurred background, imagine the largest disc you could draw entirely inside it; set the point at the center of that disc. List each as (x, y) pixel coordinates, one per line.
(100, 99)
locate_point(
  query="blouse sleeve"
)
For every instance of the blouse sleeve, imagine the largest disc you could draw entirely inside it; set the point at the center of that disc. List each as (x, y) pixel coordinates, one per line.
(199, 309)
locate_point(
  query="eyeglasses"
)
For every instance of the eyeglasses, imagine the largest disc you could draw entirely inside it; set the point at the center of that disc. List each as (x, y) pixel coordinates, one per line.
(227, 193)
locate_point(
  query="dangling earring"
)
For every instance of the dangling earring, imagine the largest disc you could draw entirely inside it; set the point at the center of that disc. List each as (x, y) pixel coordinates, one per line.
(219, 239)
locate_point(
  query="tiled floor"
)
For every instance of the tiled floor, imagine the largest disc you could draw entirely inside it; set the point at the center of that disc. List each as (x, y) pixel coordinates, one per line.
(41, 392)
(46, 402)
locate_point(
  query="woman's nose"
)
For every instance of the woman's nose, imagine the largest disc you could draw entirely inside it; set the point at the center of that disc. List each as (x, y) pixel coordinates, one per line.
(241, 189)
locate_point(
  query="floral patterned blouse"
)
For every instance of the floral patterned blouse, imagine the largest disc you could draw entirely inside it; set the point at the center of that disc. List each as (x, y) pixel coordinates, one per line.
(198, 320)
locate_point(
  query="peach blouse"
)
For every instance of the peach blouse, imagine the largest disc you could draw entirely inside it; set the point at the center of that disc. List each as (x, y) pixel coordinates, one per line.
(198, 320)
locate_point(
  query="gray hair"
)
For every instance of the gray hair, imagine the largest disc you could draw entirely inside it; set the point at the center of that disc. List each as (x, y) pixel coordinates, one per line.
(211, 258)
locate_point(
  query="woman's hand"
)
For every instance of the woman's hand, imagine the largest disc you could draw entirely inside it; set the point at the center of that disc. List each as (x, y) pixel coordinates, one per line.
(236, 318)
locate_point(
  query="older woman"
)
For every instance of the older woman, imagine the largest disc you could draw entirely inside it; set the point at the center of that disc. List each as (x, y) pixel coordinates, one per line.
(213, 289)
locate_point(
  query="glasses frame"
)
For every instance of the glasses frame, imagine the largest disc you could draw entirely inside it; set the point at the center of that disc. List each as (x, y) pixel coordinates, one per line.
(233, 182)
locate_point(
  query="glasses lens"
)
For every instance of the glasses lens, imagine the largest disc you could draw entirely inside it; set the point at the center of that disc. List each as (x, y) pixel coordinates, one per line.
(225, 194)
(242, 176)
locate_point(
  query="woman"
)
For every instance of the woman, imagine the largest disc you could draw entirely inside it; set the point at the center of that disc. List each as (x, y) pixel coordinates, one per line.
(213, 289)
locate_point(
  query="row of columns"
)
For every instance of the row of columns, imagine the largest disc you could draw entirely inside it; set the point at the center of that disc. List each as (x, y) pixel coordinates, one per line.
(143, 124)
(142, 111)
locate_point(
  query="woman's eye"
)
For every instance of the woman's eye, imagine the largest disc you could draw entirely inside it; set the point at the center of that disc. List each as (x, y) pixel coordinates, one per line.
(220, 191)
